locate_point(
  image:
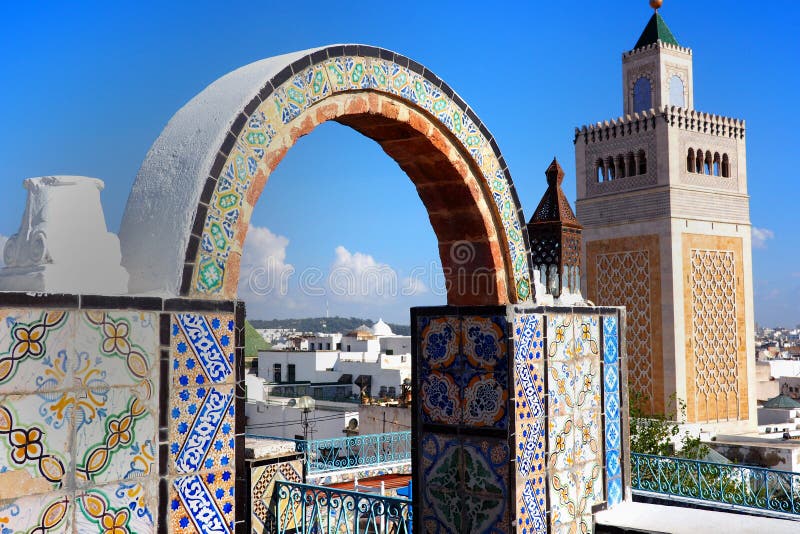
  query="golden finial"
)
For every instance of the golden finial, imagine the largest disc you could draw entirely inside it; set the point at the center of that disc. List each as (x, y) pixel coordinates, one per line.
(655, 4)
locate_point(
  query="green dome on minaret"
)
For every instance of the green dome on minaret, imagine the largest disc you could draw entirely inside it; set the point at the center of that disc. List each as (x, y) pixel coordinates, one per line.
(656, 30)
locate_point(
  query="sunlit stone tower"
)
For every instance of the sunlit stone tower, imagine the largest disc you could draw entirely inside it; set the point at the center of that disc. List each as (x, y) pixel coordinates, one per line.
(662, 196)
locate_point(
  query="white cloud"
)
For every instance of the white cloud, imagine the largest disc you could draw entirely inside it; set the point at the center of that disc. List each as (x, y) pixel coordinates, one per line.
(358, 276)
(3, 240)
(413, 286)
(264, 270)
(761, 236)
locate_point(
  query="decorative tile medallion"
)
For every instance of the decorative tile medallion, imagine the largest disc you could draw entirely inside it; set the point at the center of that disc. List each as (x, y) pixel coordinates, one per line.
(484, 392)
(29, 342)
(440, 399)
(32, 444)
(466, 484)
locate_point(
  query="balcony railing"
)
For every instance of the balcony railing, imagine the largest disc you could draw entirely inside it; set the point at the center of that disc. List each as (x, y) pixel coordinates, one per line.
(728, 484)
(306, 509)
(353, 452)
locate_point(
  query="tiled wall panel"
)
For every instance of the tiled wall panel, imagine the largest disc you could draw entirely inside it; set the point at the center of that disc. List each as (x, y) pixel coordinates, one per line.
(78, 420)
(115, 420)
(462, 375)
(553, 454)
(202, 425)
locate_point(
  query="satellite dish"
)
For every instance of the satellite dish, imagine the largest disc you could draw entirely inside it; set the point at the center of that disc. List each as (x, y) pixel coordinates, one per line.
(306, 403)
(292, 403)
(352, 424)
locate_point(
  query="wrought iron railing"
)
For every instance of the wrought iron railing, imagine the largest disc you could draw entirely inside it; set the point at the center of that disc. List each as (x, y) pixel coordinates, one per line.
(729, 484)
(357, 451)
(306, 509)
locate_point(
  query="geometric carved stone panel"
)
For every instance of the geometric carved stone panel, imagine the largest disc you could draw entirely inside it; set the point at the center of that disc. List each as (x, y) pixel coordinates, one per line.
(716, 366)
(626, 272)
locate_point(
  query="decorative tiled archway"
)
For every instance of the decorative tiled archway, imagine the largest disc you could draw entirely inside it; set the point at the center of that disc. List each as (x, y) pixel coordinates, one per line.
(188, 212)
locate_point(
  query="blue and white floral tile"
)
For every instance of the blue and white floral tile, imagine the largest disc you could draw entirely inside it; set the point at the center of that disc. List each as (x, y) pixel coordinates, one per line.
(610, 340)
(120, 442)
(35, 434)
(203, 349)
(440, 398)
(117, 508)
(201, 429)
(614, 491)
(440, 342)
(115, 348)
(560, 336)
(484, 343)
(36, 351)
(484, 400)
(49, 512)
(202, 503)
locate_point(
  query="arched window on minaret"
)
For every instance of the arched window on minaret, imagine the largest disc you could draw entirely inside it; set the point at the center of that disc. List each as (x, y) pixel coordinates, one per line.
(726, 166)
(642, 97)
(690, 161)
(717, 163)
(642, 162)
(676, 92)
(611, 171)
(631, 164)
(699, 162)
(600, 170)
(621, 172)
(709, 162)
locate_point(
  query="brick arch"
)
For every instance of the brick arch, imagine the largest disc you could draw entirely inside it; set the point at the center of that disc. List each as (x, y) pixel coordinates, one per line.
(189, 209)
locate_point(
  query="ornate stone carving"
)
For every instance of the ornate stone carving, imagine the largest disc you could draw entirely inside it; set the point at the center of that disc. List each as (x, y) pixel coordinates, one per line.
(713, 335)
(62, 244)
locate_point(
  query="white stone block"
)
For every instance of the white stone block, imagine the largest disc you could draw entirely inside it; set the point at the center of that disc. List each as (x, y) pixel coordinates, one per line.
(63, 245)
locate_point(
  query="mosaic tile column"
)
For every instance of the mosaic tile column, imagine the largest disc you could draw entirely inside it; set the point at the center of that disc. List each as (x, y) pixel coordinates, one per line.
(517, 420)
(202, 429)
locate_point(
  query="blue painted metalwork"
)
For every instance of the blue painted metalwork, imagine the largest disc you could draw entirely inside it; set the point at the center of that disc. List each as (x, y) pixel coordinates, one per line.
(307, 509)
(357, 451)
(730, 484)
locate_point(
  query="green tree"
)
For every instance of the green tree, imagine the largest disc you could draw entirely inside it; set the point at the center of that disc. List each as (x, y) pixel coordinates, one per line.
(655, 433)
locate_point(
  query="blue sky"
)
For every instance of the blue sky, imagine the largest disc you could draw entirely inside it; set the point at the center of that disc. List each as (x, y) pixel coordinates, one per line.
(85, 89)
